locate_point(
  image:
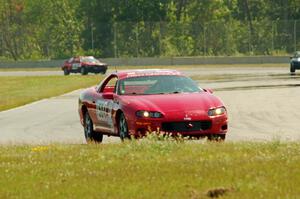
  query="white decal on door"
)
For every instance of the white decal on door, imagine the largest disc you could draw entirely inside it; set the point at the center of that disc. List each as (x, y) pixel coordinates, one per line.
(104, 111)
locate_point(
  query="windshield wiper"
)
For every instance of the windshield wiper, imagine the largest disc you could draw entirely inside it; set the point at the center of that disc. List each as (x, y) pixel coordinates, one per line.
(162, 93)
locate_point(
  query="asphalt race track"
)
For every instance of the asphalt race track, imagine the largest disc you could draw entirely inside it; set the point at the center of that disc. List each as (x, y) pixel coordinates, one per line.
(263, 105)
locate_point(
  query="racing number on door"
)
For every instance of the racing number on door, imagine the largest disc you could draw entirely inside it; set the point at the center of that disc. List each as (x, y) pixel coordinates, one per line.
(104, 111)
(75, 65)
(104, 107)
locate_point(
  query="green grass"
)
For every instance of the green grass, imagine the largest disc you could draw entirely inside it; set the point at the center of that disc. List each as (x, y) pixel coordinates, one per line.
(151, 169)
(30, 69)
(17, 91)
(20, 90)
(204, 66)
(158, 66)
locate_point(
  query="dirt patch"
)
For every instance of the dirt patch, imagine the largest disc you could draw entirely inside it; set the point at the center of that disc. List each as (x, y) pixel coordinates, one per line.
(218, 192)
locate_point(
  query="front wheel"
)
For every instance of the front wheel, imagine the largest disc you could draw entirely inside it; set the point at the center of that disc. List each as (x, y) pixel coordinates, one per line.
(123, 128)
(292, 68)
(104, 71)
(89, 133)
(83, 71)
(66, 71)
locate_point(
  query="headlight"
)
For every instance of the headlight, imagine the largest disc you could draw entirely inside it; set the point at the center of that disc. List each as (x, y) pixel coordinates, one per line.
(148, 114)
(216, 111)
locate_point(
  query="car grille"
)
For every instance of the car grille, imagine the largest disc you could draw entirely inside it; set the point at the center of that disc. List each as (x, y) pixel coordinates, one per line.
(186, 126)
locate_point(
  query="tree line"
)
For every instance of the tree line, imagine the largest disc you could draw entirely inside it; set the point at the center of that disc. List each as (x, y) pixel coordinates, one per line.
(52, 29)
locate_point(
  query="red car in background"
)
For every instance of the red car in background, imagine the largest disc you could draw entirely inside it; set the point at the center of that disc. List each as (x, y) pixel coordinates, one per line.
(137, 102)
(84, 65)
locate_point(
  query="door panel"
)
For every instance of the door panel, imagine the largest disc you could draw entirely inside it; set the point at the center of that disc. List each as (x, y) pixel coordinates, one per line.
(105, 105)
(92, 106)
(104, 114)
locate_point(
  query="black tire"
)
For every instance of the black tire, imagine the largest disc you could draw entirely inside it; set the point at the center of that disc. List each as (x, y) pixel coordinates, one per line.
(83, 71)
(123, 128)
(292, 68)
(216, 137)
(104, 71)
(66, 71)
(89, 133)
(101, 70)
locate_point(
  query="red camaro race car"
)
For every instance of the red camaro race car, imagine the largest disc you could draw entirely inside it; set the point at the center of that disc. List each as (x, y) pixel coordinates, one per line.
(137, 102)
(84, 65)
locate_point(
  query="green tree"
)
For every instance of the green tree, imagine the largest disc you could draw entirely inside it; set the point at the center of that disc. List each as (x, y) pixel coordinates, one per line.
(13, 34)
(57, 27)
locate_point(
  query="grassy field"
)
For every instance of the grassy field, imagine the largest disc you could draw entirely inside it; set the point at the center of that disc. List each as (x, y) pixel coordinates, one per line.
(206, 66)
(20, 90)
(31, 69)
(159, 66)
(17, 91)
(151, 169)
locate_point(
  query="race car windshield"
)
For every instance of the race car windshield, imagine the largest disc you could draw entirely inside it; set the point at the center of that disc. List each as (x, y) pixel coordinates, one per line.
(161, 84)
(297, 54)
(89, 60)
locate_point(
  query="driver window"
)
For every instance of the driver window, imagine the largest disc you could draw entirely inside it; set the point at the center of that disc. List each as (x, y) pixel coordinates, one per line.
(76, 60)
(110, 86)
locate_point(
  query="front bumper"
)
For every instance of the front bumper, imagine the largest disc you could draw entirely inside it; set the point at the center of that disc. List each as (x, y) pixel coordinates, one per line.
(90, 69)
(96, 69)
(216, 125)
(296, 64)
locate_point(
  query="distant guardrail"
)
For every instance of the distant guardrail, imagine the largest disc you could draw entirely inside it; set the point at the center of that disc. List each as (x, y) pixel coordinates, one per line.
(155, 61)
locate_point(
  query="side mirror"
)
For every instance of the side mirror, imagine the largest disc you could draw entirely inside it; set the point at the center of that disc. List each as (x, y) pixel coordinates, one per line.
(208, 90)
(108, 95)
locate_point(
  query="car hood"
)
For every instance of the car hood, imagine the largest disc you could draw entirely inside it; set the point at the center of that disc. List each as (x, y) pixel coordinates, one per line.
(181, 104)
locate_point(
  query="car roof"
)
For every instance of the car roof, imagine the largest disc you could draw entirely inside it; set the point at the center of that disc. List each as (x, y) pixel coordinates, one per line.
(86, 56)
(146, 72)
(83, 57)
